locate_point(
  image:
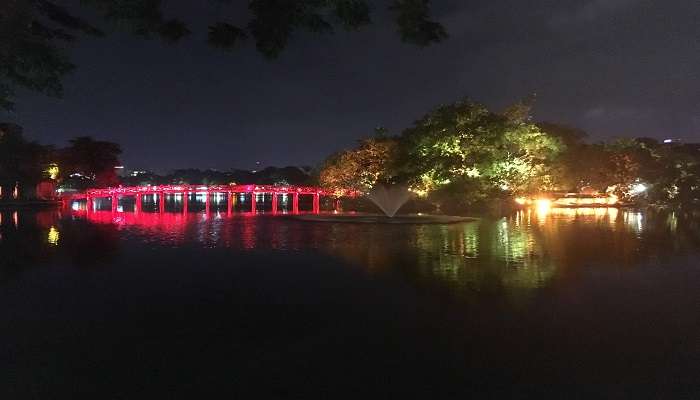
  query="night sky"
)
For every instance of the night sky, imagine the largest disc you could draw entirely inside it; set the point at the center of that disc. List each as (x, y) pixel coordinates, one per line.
(611, 67)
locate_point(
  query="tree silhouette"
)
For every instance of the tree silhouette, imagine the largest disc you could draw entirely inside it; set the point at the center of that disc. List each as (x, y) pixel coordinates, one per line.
(34, 33)
(21, 161)
(93, 159)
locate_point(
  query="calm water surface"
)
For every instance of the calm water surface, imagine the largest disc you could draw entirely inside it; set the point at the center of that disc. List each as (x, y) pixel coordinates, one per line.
(588, 303)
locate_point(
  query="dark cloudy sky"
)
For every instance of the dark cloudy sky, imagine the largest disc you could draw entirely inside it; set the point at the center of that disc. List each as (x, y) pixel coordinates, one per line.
(612, 67)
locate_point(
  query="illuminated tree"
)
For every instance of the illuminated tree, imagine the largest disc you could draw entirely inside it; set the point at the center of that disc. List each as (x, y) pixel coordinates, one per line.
(361, 168)
(466, 143)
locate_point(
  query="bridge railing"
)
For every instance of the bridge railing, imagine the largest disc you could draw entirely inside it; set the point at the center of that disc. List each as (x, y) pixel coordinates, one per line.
(161, 190)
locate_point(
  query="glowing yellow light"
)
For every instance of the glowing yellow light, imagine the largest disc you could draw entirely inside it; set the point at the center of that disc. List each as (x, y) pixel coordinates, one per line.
(545, 203)
(53, 237)
(419, 192)
(521, 200)
(52, 171)
(543, 206)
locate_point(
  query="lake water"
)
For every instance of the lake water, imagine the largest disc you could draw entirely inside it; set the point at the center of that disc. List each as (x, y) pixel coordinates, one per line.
(588, 303)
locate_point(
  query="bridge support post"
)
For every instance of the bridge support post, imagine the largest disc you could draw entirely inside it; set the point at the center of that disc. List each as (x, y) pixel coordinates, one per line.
(115, 202)
(138, 202)
(161, 202)
(317, 203)
(88, 204)
(185, 199)
(207, 210)
(295, 203)
(229, 203)
(253, 206)
(274, 203)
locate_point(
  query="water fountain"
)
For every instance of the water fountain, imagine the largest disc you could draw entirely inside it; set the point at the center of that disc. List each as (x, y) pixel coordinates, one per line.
(389, 199)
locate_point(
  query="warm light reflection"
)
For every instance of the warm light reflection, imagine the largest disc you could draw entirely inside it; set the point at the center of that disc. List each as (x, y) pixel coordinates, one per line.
(573, 200)
(634, 220)
(672, 221)
(53, 236)
(536, 248)
(606, 215)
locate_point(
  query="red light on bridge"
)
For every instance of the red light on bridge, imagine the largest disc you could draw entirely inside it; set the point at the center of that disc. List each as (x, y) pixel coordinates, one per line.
(182, 191)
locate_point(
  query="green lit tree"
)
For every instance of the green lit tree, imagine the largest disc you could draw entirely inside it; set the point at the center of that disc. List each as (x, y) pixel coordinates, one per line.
(466, 145)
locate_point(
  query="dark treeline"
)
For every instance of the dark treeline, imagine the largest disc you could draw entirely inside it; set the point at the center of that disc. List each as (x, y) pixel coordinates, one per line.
(24, 164)
(89, 163)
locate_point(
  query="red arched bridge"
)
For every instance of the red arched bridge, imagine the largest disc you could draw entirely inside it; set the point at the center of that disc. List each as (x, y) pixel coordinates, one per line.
(181, 194)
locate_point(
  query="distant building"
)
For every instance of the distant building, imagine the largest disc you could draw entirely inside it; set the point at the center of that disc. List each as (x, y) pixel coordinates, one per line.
(672, 141)
(136, 173)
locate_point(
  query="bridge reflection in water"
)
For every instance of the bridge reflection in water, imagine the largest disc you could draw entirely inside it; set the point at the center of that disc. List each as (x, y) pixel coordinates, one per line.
(186, 198)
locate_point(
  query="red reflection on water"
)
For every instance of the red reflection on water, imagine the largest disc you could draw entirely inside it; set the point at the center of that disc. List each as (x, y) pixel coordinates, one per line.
(150, 219)
(237, 230)
(47, 219)
(155, 220)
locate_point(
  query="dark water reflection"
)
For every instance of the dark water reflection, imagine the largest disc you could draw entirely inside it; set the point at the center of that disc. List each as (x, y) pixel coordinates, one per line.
(589, 302)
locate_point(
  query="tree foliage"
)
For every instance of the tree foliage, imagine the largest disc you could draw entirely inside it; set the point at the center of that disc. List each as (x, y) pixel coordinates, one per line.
(92, 159)
(360, 168)
(459, 154)
(21, 161)
(34, 33)
(465, 141)
(283, 176)
(570, 136)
